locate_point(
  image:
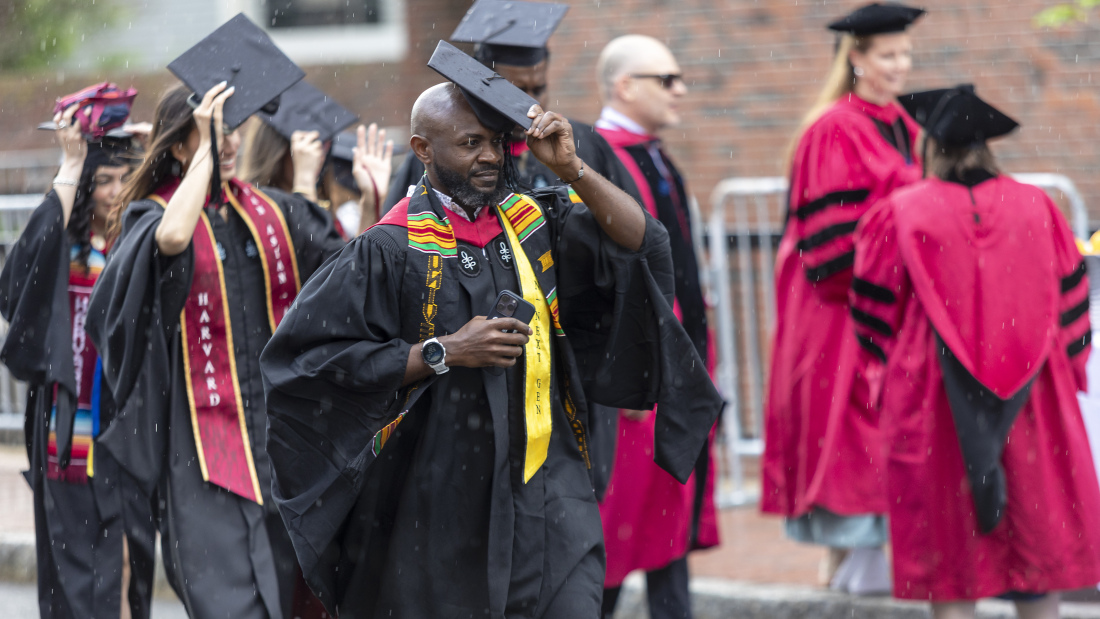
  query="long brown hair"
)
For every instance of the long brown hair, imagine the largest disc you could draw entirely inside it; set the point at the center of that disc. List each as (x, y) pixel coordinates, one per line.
(946, 161)
(173, 123)
(839, 82)
(264, 158)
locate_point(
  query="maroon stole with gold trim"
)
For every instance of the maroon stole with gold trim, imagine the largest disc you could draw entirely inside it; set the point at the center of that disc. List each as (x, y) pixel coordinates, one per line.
(210, 368)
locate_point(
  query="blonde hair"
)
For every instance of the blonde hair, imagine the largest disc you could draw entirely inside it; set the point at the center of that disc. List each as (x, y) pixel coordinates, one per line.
(839, 82)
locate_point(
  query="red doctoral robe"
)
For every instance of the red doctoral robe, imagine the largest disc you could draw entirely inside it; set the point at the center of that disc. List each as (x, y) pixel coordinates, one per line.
(820, 440)
(649, 518)
(992, 276)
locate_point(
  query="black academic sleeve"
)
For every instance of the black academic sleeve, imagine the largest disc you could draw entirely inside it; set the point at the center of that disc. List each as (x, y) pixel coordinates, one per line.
(598, 155)
(132, 318)
(34, 300)
(332, 374)
(630, 349)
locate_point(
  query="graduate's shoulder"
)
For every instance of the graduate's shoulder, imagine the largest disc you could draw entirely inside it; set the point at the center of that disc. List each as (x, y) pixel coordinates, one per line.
(840, 121)
(554, 199)
(287, 202)
(151, 208)
(47, 217)
(391, 233)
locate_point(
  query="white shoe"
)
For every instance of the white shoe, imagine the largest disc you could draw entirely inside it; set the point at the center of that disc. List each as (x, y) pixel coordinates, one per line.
(864, 571)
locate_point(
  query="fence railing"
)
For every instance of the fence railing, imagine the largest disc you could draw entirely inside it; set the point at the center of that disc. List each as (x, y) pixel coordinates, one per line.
(741, 237)
(743, 231)
(15, 210)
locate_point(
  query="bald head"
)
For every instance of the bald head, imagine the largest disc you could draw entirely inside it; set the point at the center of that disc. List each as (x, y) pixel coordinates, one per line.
(640, 78)
(436, 108)
(463, 158)
(631, 54)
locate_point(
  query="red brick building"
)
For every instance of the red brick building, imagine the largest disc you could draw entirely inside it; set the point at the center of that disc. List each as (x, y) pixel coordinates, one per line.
(752, 69)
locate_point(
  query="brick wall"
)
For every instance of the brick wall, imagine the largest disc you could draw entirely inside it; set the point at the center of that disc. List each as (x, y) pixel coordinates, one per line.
(752, 68)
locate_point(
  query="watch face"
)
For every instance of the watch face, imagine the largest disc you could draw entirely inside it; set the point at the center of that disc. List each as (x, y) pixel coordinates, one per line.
(432, 352)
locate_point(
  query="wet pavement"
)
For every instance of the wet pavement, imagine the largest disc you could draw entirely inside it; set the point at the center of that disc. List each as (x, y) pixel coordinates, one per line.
(753, 551)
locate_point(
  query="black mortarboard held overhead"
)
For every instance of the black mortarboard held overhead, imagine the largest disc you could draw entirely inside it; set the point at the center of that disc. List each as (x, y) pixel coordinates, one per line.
(497, 102)
(242, 55)
(342, 154)
(509, 32)
(305, 108)
(957, 116)
(877, 18)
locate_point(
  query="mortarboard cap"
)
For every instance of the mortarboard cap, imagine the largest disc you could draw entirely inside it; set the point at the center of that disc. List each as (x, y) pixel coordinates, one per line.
(957, 116)
(304, 108)
(511, 33)
(343, 144)
(497, 103)
(242, 54)
(877, 19)
(341, 155)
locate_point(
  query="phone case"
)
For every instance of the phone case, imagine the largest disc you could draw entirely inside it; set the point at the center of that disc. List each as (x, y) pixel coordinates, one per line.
(524, 310)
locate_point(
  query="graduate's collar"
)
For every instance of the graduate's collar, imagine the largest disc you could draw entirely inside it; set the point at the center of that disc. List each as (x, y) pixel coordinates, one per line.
(970, 178)
(886, 113)
(448, 203)
(626, 130)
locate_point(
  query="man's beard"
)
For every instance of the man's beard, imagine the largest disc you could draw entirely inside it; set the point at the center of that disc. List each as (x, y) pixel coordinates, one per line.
(464, 193)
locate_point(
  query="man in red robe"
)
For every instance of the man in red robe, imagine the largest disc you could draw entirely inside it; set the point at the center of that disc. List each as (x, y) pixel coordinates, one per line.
(650, 520)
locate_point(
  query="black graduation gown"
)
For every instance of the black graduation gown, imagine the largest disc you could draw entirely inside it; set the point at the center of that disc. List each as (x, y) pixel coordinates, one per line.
(591, 147)
(441, 523)
(217, 545)
(78, 527)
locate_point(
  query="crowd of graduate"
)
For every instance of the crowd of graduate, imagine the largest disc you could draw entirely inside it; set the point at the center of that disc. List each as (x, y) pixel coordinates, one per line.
(277, 357)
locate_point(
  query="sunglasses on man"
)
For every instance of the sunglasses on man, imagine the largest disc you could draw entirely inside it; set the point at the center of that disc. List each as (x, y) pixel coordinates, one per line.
(668, 80)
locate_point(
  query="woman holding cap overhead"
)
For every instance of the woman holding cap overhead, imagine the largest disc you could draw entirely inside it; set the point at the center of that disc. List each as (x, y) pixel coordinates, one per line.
(287, 150)
(84, 511)
(991, 485)
(821, 466)
(202, 272)
(359, 162)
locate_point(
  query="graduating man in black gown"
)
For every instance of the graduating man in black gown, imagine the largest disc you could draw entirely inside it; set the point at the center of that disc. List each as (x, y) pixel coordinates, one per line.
(431, 463)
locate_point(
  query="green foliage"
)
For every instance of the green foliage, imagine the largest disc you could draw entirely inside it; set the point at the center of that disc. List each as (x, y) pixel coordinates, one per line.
(37, 33)
(1059, 16)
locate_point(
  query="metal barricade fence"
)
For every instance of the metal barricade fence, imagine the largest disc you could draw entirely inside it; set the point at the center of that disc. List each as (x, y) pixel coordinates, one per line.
(15, 210)
(742, 242)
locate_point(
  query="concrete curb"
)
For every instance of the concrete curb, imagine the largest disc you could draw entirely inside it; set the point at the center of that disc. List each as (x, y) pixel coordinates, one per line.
(712, 598)
(17, 557)
(723, 599)
(18, 563)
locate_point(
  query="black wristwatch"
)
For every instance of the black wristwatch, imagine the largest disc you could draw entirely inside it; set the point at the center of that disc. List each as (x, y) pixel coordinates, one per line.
(435, 355)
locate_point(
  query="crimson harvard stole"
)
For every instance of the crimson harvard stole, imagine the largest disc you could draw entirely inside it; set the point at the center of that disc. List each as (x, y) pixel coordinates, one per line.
(210, 368)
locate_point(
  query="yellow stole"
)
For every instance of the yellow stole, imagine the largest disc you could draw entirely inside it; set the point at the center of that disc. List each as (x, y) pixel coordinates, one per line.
(536, 354)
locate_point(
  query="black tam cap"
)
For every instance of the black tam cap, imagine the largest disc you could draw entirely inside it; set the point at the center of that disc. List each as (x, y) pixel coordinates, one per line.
(877, 19)
(511, 33)
(304, 108)
(242, 54)
(957, 116)
(497, 103)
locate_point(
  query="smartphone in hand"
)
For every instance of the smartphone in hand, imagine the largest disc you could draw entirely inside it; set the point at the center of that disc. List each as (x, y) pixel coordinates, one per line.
(511, 305)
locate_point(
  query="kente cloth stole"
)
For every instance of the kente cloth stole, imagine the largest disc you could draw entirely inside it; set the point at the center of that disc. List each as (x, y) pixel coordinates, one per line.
(210, 367)
(431, 236)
